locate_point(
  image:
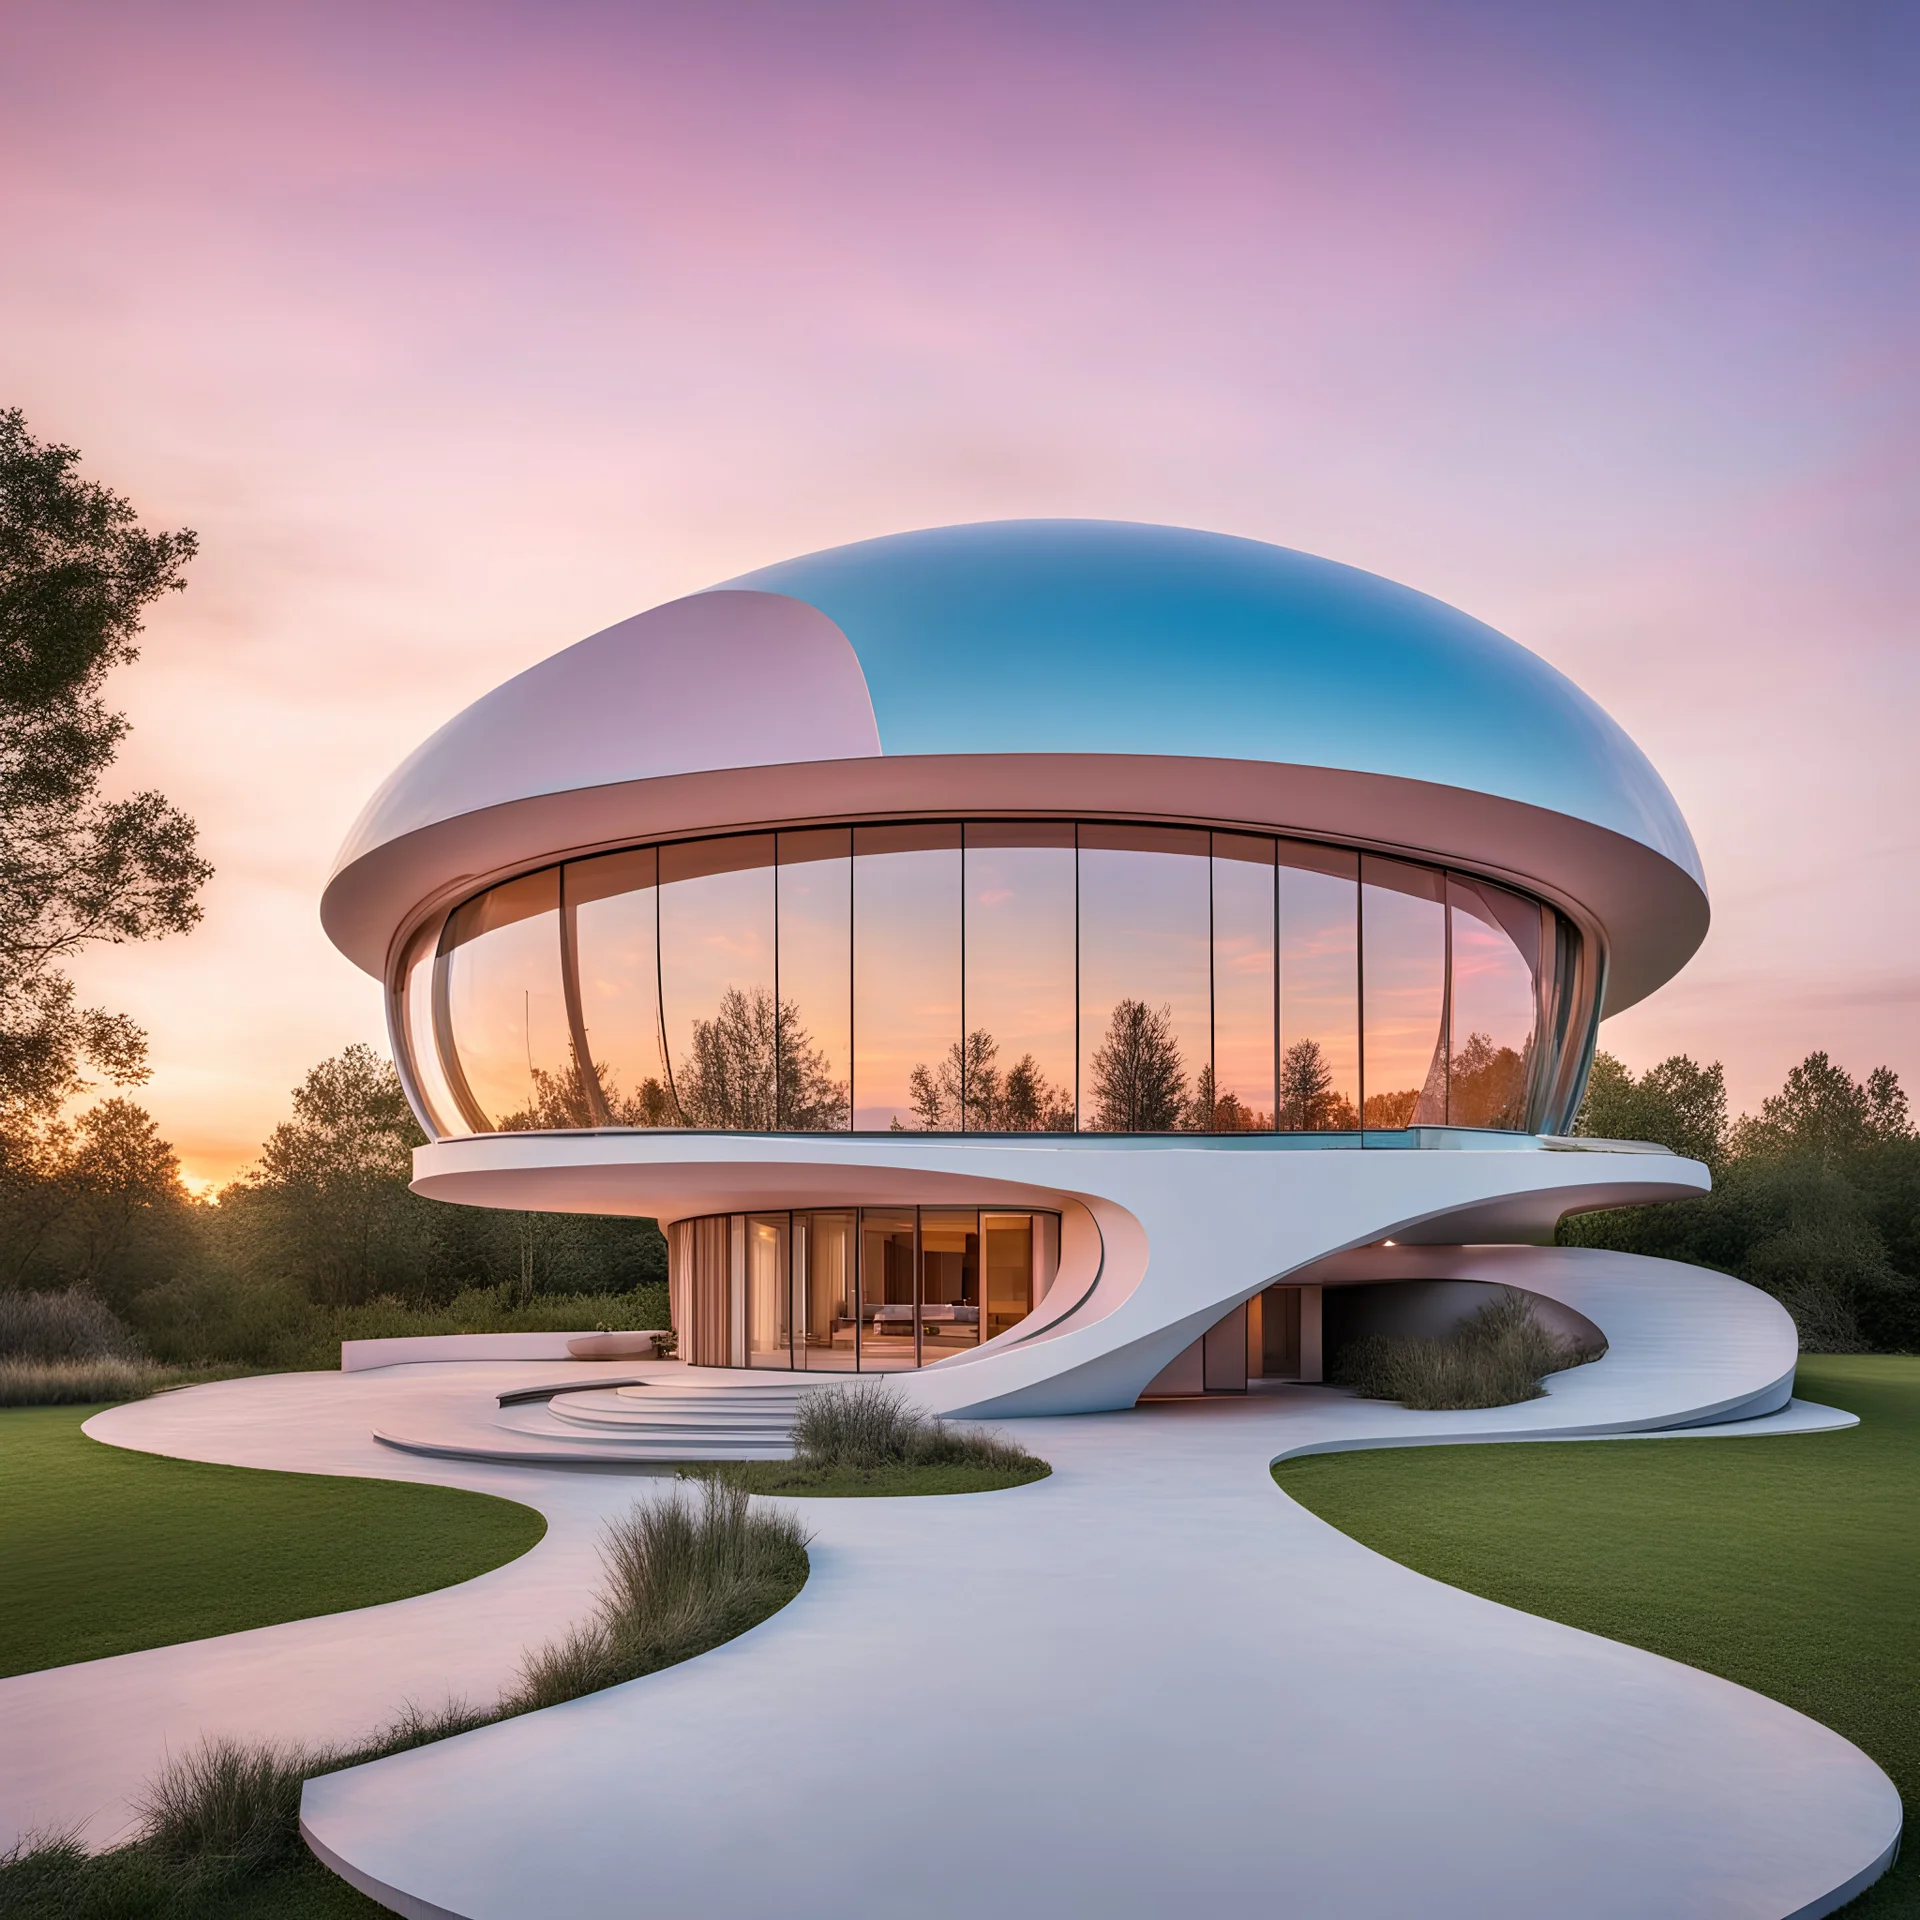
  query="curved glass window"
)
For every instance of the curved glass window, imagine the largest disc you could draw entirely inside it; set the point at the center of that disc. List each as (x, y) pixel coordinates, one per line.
(908, 1070)
(1494, 939)
(813, 888)
(866, 1289)
(612, 927)
(1237, 1096)
(1019, 977)
(1146, 1015)
(990, 977)
(413, 1020)
(716, 980)
(1403, 986)
(1319, 902)
(511, 1063)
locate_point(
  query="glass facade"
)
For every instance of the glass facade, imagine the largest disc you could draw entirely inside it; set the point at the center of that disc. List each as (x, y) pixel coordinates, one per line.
(991, 977)
(869, 1290)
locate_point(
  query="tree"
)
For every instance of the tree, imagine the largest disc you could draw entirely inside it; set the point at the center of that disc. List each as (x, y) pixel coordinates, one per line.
(1816, 1198)
(96, 1203)
(940, 1093)
(1031, 1103)
(1825, 1113)
(77, 573)
(1487, 1085)
(754, 1069)
(1309, 1102)
(330, 1195)
(1678, 1104)
(1213, 1112)
(1139, 1079)
(966, 1089)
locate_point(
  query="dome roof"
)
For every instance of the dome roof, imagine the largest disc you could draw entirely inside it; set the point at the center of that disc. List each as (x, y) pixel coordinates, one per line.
(1045, 667)
(1096, 636)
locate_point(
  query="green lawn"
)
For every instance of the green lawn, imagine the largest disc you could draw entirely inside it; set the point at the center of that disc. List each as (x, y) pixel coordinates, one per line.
(1789, 1565)
(127, 1886)
(108, 1551)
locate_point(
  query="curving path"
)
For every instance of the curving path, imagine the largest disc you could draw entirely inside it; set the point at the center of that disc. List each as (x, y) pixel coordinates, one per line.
(1148, 1684)
(77, 1743)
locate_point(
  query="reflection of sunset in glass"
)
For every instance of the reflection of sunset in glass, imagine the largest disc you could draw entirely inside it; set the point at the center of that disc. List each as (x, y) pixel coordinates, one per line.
(1020, 953)
(951, 963)
(1403, 961)
(1319, 988)
(815, 885)
(616, 942)
(1243, 981)
(906, 965)
(1144, 938)
(716, 939)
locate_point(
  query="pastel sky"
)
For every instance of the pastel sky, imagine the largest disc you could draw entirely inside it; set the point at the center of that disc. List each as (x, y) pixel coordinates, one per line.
(461, 331)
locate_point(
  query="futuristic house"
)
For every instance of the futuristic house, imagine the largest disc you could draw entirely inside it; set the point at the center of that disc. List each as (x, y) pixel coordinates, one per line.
(1042, 957)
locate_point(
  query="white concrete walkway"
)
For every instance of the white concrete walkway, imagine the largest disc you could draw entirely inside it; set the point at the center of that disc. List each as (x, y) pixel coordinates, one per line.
(76, 1743)
(1149, 1685)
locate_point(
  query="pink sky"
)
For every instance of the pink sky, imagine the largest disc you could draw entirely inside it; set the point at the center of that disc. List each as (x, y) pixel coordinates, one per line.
(461, 332)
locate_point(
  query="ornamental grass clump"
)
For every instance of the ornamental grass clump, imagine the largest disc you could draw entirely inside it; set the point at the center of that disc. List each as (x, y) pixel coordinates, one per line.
(66, 1349)
(226, 1803)
(870, 1426)
(1495, 1357)
(681, 1575)
(72, 1383)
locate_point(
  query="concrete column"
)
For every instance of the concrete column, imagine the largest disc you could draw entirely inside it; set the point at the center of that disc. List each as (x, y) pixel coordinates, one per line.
(1310, 1362)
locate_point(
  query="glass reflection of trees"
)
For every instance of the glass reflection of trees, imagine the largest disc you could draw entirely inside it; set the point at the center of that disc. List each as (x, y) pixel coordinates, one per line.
(1000, 978)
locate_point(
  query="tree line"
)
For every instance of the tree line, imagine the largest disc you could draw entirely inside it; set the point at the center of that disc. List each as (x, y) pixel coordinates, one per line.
(1816, 1198)
(325, 1211)
(90, 1194)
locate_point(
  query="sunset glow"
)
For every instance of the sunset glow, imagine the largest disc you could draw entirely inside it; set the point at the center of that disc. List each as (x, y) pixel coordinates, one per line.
(460, 333)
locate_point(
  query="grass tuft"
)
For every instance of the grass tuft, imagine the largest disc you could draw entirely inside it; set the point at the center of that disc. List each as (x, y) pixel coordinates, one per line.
(681, 1576)
(75, 1383)
(227, 1803)
(869, 1427)
(1495, 1357)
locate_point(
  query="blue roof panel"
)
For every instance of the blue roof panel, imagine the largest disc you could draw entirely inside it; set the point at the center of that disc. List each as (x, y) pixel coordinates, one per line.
(1093, 636)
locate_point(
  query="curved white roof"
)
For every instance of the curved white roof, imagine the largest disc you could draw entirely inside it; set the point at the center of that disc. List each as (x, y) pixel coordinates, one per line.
(1036, 642)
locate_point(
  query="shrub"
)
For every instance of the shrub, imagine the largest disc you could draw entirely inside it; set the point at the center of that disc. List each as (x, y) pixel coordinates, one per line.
(681, 1576)
(213, 1320)
(71, 1383)
(870, 1425)
(60, 1326)
(1494, 1358)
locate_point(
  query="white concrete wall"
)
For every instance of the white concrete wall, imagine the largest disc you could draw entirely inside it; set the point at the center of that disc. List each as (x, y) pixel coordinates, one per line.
(356, 1356)
(1161, 1238)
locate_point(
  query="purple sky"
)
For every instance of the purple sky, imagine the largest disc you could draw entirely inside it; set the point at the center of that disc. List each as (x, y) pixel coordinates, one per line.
(460, 332)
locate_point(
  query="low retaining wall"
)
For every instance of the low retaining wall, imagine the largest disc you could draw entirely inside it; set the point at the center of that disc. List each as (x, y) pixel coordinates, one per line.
(356, 1356)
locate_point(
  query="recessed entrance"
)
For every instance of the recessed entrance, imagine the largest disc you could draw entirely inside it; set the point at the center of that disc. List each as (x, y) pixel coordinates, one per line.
(868, 1289)
(1274, 1336)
